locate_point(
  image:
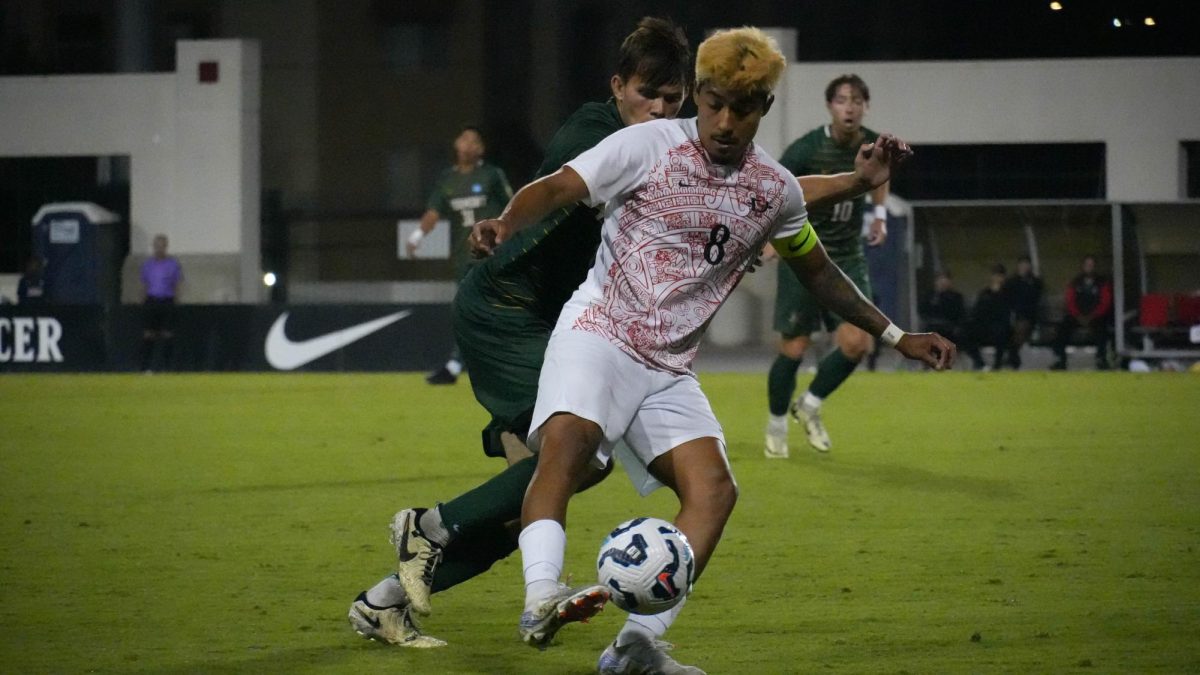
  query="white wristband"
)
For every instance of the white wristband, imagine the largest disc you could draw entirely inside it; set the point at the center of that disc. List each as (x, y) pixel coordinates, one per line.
(416, 237)
(891, 335)
(881, 212)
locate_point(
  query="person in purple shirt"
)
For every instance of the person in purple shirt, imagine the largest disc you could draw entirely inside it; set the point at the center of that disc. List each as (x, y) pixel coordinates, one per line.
(161, 275)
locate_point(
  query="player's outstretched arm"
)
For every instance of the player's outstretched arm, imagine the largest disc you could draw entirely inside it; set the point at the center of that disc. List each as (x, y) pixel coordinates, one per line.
(836, 292)
(872, 168)
(533, 202)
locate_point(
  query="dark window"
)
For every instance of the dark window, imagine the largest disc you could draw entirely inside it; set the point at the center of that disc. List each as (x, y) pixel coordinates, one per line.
(1004, 171)
(1191, 158)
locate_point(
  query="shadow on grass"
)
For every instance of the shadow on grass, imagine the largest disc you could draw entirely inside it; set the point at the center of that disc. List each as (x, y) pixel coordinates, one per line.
(364, 656)
(911, 478)
(894, 475)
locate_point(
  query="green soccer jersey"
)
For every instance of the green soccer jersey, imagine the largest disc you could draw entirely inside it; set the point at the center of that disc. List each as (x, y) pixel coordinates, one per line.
(542, 265)
(839, 225)
(464, 199)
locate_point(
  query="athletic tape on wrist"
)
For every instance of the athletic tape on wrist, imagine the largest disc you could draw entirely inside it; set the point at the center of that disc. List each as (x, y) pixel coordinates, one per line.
(881, 212)
(891, 335)
(416, 237)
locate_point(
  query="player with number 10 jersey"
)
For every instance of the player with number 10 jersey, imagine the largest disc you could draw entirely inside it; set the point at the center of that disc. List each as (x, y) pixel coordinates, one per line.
(838, 224)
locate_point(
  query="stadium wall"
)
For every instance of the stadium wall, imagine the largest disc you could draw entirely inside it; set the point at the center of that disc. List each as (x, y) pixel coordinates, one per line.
(1141, 109)
(194, 156)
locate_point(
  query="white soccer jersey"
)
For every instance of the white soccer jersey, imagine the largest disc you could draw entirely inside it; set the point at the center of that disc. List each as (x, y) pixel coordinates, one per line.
(679, 234)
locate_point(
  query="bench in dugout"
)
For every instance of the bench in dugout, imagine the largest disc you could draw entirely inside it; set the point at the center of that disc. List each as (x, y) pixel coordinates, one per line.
(1165, 320)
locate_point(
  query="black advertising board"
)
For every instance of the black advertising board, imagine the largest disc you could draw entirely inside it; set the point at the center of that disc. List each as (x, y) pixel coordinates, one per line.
(89, 338)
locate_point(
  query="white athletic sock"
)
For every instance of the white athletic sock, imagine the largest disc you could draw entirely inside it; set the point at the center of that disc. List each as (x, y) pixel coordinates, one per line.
(777, 424)
(810, 402)
(454, 366)
(387, 593)
(648, 627)
(543, 544)
(433, 528)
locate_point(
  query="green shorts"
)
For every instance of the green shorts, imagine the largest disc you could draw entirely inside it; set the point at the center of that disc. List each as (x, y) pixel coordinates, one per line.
(502, 349)
(797, 312)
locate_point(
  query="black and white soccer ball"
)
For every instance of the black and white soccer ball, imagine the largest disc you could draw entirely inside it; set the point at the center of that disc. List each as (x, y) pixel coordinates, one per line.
(647, 564)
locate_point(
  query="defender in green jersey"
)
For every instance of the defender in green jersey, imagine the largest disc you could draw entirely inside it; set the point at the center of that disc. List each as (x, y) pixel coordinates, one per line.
(828, 149)
(504, 312)
(469, 191)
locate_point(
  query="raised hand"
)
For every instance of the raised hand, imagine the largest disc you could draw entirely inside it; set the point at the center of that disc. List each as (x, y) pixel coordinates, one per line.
(878, 233)
(875, 161)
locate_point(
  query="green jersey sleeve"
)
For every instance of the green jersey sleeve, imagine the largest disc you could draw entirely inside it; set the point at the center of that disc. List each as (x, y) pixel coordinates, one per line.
(438, 199)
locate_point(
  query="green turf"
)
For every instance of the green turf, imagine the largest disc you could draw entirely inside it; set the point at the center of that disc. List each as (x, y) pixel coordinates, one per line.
(223, 524)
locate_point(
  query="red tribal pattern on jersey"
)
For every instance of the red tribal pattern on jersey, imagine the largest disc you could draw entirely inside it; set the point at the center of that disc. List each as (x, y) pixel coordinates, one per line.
(685, 238)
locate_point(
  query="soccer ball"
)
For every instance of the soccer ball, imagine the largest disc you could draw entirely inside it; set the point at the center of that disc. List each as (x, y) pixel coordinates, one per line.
(647, 564)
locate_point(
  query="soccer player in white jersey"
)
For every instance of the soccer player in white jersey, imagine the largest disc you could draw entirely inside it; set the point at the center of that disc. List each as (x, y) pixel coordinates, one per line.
(687, 205)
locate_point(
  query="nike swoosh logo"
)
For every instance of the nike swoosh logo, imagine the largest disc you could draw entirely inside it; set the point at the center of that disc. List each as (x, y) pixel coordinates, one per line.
(376, 623)
(402, 551)
(284, 354)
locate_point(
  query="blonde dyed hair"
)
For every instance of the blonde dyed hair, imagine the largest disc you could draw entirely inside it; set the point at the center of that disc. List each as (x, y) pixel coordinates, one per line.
(740, 59)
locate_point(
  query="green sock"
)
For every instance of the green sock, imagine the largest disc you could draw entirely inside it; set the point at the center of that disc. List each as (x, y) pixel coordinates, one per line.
(471, 556)
(781, 383)
(832, 372)
(493, 503)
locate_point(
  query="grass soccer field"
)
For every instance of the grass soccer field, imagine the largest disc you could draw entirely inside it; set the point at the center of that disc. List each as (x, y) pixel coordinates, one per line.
(997, 523)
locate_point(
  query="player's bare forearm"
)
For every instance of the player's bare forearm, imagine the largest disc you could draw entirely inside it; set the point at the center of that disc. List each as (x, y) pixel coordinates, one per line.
(429, 220)
(872, 170)
(541, 197)
(826, 190)
(879, 195)
(834, 290)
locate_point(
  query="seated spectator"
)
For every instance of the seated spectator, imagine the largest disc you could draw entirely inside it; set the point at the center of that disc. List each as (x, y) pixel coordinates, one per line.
(990, 324)
(944, 310)
(1024, 290)
(1089, 300)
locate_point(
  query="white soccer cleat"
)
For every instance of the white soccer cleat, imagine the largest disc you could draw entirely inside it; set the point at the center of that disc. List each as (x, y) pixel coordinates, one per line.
(776, 443)
(567, 605)
(416, 559)
(393, 625)
(813, 427)
(640, 656)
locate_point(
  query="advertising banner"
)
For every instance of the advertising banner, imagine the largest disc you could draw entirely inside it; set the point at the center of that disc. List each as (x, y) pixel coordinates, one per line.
(89, 338)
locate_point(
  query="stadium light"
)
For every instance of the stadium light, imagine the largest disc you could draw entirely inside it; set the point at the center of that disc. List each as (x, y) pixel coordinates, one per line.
(1116, 23)
(1056, 5)
(1149, 21)
(269, 279)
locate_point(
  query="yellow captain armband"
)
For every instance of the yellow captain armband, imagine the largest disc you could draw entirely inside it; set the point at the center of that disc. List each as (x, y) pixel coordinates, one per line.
(795, 246)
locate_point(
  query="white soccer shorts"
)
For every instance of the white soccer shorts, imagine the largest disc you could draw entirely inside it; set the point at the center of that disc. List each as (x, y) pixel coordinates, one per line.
(643, 412)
